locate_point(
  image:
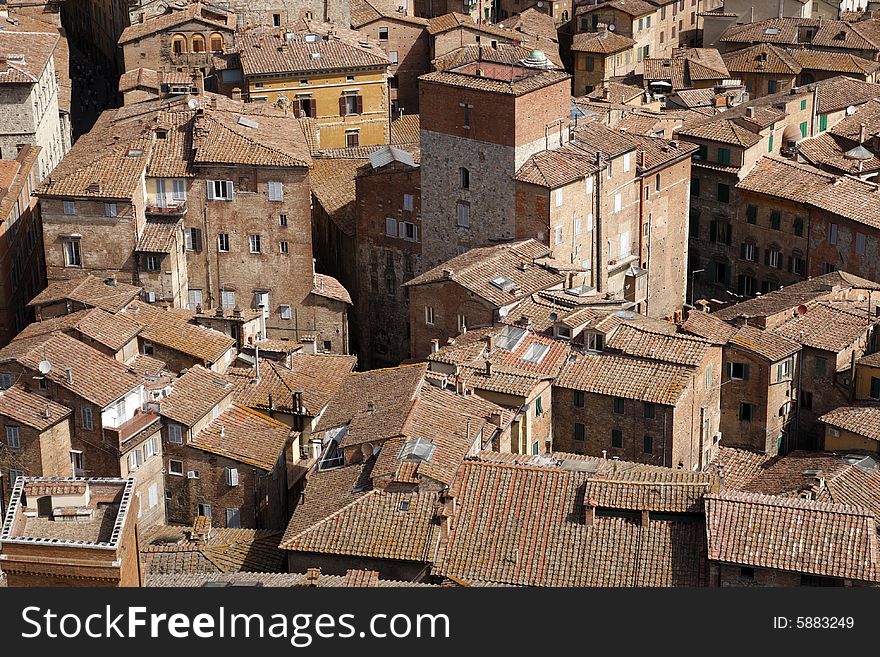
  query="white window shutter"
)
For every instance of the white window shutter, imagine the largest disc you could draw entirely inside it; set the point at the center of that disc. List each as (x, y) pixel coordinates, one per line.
(390, 226)
(401, 229)
(230, 191)
(211, 196)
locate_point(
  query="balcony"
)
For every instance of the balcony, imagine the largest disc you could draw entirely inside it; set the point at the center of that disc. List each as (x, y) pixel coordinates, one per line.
(127, 430)
(163, 205)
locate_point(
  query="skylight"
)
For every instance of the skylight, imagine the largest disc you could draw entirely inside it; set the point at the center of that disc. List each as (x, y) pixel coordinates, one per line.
(503, 283)
(509, 337)
(535, 353)
(248, 123)
(416, 450)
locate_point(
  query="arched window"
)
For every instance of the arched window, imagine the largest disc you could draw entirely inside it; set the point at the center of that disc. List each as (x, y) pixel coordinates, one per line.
(216, 42)
(564, 16)
(178, 44)
(198, 43)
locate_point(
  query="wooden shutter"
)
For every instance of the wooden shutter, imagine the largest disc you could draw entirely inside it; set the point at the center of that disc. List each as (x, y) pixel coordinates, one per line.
(196, 239)
(342, 106)
(360, 104)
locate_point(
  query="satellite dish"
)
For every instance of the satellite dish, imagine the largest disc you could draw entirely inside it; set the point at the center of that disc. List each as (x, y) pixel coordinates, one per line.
(612, 27)
(540, 4)
(193, 104)
(850, 110)
(502, 312)
(553, 317)
(45, 367)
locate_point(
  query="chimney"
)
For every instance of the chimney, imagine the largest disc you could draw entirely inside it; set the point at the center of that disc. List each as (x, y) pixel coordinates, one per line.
(862, 133)
(646, 517)
(312, 576)
(371, 407)
(69, 373)
(495, 418)
(256, 364)
(435, 346)
(4, 64)
(447, 273)
(315, 448)
(310, 344)
(750, 112)
(488, 368)
(222, 431)
(490, 343)
(46, 412)
(199, 81)
(236, 94)
(589, 513)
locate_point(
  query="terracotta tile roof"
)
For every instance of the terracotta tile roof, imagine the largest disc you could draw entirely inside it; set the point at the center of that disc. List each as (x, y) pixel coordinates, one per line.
(539, 310)
(763, 58)
(708, 327)
(194, 394)
(97, 378)
(219, 138)
(771, 346)
(89, 291)
(317, 376)
(536, 518)
(374, 405)
(509, 80)
(476, 269)
(352, 579)
(328, 491)
(840, 62)
(139, 77)
(502, 53)
(872, 360)
(867, 114)
(603, 42)
(737, 467)
(147, 365)
(803, 536)
(829, 151)
(844, 196)
(246, 436)
(172, 330)
(667, 69)
(628, 377)
(167, 550)
(861, 420)
(837, 93)
(455, 20)
(333, 185)
(828, 326)
(327, 286)
(649, 491)
(449, 422)
(405, 129)
(298, 55)
(52, 325)
(35, 49)
(30, 409)
(61, 54)
(726, 131)
(364, 12)
(377, 525)
(631, 7)
(678, 348)
(784, 31)
(214, 19)
(158, 235)
(794, 295)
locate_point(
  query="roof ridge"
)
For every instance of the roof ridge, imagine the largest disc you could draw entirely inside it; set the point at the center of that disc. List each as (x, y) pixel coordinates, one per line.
(250, 141)
(764, 499)
(338, 511)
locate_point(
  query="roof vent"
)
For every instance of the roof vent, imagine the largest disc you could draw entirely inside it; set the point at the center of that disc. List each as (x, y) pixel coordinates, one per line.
(310, 38)
(248, 123)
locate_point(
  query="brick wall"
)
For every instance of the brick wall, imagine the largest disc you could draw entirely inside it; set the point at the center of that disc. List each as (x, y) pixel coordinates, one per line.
(410, 42)
(448, 300)
(42, 453)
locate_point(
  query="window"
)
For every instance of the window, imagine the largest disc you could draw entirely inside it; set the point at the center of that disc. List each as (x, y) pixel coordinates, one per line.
(307, 106)
(86, 417)
(723, 193)
(580, 432)
(774, 258)
(393, 56)
(619, 405)
(284, 247)
(153, 495)
(69, 207)
(558, 198)
(617, 202)
(648, 445)
(466, 115)
(233, 518)
(695, 187)
(175, 434)
(722, 273)
(749, 252)
(175, 467)
(198, 43)
(408, 201)
(391, 226)
(806, 399)
(205, 510)
(282, 220)
(746, 411)
(747, 284)
(828, 267)
(775, 220)
(832, 233)
(261, 300)
(783, 370)
(15, 474)
(771, 86)
(276, 191)
(254, 241)
(220, 190)
(192, 239)
(351, 103)
(709, 377)
(383, 34)
(650, 410)
(724, 156)
(626, 161)
(738, 371)
(752, 214)
(821, 367)
(860, 243)
(110, 210)
(178, 44)
(178, 192)
(557, 235)
(151, 448)
(578, 398)
(429, 315)
(72, 256)
(804, 129)
(135, 460)
(285, 311)
(797, 264)
(352, 138)
(539, 405)
(823, 122)
(875, 388)
(231, 476)
(223, 242)
(462, 323)
(13, 438)
(616, 438)
(463, 214)
(151, 263)
(595, 341)
(578, 227)
(589, 185)
(227, 298)
(216, 43)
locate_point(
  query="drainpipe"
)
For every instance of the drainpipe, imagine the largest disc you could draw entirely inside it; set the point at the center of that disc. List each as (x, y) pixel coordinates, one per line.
(600, 274)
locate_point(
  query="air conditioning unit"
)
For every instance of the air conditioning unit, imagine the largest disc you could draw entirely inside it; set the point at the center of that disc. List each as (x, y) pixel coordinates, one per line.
(192, 474)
